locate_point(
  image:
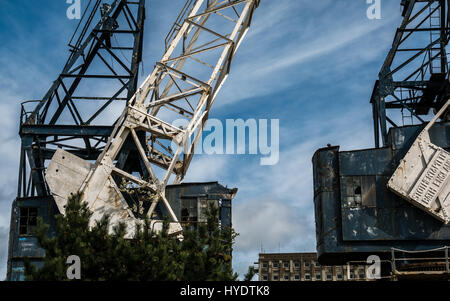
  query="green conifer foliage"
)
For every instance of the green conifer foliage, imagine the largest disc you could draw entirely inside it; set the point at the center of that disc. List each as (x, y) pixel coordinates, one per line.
(203, 254)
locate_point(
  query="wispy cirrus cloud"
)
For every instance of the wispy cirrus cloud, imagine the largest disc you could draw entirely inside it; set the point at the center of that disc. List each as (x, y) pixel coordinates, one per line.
(305, 40)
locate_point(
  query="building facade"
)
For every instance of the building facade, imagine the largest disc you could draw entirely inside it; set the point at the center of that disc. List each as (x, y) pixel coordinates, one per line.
(305, 267)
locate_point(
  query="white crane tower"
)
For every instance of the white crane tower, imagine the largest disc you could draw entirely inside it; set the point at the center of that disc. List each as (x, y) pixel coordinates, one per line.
(199, 50)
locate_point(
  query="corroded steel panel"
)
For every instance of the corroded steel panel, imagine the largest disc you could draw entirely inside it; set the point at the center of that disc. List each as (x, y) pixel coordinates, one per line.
(365, 162)
(326, 197)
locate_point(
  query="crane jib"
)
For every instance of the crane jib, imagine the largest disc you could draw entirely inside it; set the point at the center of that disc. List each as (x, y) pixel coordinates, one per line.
(183, 85)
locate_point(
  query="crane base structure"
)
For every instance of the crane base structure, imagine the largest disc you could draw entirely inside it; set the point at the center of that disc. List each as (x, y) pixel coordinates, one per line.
(357, 215)
(393, 200)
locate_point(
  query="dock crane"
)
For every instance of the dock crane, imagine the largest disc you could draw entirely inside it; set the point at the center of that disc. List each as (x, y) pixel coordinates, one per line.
(393, 200)
(183, 86)
(100, 75)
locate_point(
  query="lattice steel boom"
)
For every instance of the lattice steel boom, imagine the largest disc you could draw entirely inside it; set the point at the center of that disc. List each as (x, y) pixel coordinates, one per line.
(182, 87)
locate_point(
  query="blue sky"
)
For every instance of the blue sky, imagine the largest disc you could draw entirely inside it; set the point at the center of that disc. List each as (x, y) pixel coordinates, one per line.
(310, 64)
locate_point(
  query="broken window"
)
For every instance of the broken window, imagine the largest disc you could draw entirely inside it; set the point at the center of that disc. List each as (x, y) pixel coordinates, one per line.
(189, 211)
(359, 191)
(27, 220)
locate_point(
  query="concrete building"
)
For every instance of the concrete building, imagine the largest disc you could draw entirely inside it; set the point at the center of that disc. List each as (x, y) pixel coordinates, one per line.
(305, 267)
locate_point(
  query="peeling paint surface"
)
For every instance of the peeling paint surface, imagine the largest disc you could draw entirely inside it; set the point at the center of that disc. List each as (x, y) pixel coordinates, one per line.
(348, 223)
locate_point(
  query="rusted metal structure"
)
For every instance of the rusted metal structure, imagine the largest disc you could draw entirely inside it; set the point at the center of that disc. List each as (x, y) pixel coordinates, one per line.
(357, 215)
(419, 265)
(105, 51)
(413, 80)
(370, 201)
(182, 88)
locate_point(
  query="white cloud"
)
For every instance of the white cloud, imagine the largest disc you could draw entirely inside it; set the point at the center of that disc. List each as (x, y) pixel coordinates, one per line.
(299, 47)
(206, 168)
(268, 222)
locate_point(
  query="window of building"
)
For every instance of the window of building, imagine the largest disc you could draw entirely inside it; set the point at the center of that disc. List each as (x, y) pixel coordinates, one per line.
(339, 276)
(265, 278)
(362, 276)
(329, 277)
(297, 277)
(307, 277)
(286, 277)
(276, 278)
(275, 264)
(189, 210)
(27, 220)
(264, 264)
(297, 264)
(286, 264)
(306, 264)
(318, 276)
(359, 191)
(317, 264)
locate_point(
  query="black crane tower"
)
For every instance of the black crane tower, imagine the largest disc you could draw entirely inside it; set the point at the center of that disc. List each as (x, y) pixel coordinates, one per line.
(414, 79)
(357, 214)
(100, 75)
